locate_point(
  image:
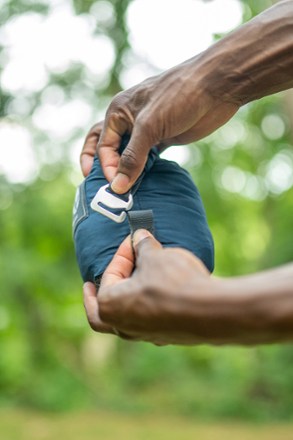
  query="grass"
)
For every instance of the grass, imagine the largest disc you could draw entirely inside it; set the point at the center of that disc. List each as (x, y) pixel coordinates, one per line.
(29, 425)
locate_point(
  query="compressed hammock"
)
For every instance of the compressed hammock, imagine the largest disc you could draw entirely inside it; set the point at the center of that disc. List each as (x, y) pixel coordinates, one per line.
(167, 190)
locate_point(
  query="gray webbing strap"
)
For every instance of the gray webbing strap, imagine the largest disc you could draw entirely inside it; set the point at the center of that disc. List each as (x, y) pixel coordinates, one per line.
(143, 219)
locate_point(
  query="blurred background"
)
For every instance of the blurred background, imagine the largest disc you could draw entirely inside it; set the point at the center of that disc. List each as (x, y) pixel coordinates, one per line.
(61, 62)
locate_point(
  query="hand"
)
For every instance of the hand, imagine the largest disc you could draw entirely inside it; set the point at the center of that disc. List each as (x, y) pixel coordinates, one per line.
(170, 298)
(90, 148)
(169, 109)
(152, 304)
(119, 269)
(193, 99)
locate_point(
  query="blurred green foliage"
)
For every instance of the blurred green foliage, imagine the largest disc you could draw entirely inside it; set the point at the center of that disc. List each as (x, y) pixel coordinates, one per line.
(50, 359)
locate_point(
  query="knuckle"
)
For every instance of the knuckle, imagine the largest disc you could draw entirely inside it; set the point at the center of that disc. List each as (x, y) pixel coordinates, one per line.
(97, 128)
(118, 101)
(129, 160)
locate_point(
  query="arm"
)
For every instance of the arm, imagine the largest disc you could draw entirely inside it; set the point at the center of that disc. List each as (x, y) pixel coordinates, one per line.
(255, 60)
(265, 305)
(171, 299)
(191, 100)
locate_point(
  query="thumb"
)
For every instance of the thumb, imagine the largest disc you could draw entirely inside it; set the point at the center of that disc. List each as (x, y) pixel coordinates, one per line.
(144, 243)
(132, 160)
(121, 266)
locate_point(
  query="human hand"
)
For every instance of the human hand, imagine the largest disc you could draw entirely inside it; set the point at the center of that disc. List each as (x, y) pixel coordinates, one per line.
(90, 148)
(173, 108)
(191, 100)
(154, 303)
(170, 298)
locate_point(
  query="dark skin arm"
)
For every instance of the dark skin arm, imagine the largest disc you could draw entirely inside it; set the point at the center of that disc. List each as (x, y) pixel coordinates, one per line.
(179, 302)
(170, 297)
(193, 99)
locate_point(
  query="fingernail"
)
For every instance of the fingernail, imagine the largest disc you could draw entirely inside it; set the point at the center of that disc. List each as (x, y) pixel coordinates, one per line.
(120, 183)
(140, 235)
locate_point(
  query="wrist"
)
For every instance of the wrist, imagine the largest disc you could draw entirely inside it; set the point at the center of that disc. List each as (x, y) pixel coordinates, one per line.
(214, 311)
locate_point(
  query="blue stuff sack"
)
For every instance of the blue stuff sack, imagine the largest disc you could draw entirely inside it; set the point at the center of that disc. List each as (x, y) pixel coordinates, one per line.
(167, 190)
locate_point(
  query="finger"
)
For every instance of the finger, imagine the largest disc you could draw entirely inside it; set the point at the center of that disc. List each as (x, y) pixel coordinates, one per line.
(144, 243)
(113, 298)
(86, 163)
(133, 159)
(121, 266)
(89, 149)
(92, 309)
(88, 154)
(114, 128)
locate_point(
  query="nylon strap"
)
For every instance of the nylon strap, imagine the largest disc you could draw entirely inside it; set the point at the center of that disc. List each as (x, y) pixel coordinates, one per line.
(143, 219)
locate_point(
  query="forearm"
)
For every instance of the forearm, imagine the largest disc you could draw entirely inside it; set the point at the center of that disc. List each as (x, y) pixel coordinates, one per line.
(244, 310)
(255, 60)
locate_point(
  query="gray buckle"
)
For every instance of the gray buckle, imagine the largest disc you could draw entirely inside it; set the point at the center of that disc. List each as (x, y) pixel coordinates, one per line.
(113, 201)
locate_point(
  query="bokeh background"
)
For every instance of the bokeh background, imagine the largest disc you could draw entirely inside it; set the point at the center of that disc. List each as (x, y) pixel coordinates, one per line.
(61, 62)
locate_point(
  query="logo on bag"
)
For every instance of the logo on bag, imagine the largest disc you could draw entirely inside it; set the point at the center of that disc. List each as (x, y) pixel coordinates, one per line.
(80, 210)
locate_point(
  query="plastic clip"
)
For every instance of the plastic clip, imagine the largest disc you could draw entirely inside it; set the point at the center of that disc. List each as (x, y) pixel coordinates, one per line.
(106, 198)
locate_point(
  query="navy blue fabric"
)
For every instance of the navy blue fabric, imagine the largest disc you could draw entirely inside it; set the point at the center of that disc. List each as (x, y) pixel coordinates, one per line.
(167, 189)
